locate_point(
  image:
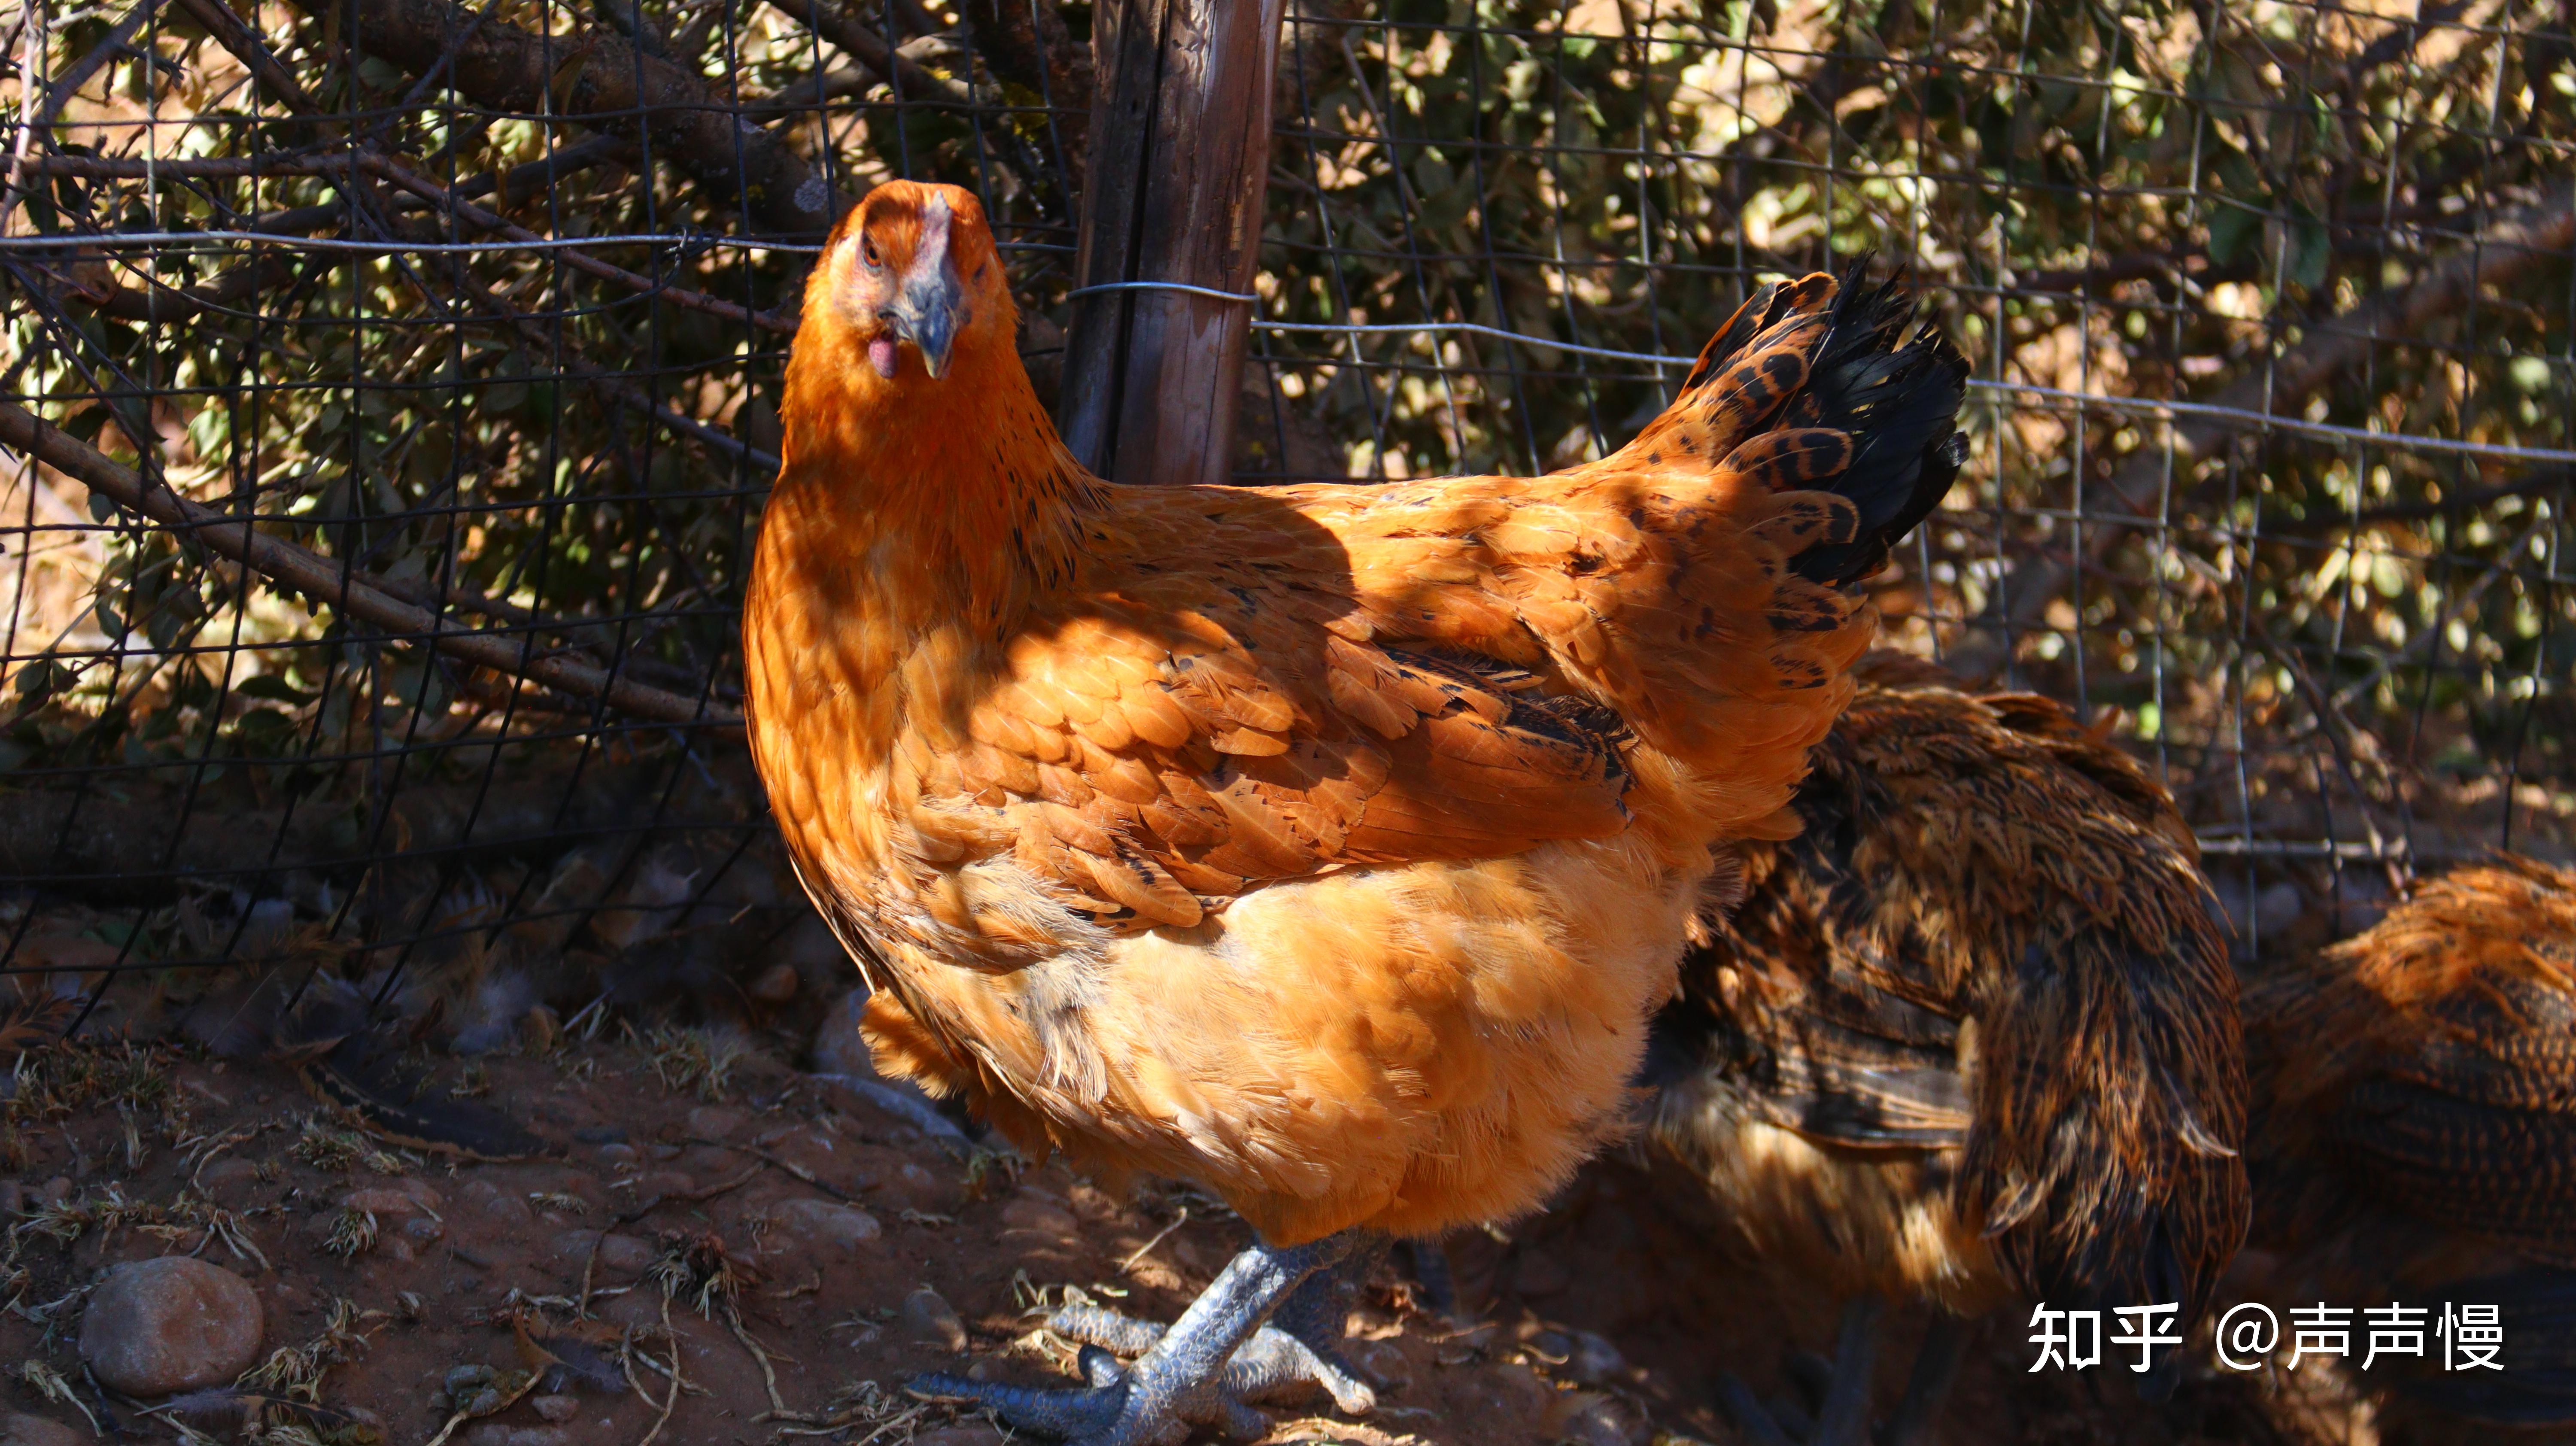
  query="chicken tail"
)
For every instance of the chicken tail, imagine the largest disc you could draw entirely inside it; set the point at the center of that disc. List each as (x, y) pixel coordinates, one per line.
(2103, 1162)
(1825, 353)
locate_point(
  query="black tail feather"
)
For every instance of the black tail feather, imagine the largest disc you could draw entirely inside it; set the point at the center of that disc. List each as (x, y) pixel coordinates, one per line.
(1900, 401)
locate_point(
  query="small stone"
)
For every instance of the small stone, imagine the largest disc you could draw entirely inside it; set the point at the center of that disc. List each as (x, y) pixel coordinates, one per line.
(625, 1254)
(574, 1246)
(557, 1409)
(13, 1198)
(1514, 1391)
(774, 985)
(424, 1230)
(58, 1189)
(931, 1320)
(227, 1174)
(20, 1430)
(838, 1046)
(823, 1222)
(1383, 1363)
(619, 1155)
(716, 1122)
(1041, 1217)
(1588, 1418)
(663, 1183)
(1594, 1360)
(500, 1204)
(493, 1433)
(170, 1324)
(383, 1204)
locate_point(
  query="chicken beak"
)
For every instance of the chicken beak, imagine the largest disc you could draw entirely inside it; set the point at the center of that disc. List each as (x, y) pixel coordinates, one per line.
(927, 313)
(931, 303)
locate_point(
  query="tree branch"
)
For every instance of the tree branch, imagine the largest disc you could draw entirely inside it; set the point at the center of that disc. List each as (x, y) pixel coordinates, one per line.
(615, 84)
(235, 35)
(156, 304)
(1026, 43)
(428, 192)
(868, 47)
(467, 211)
(323, 580)
(2527, 238)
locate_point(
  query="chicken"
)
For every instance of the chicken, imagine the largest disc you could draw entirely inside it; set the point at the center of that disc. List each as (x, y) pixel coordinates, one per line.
(2415, 1142)
(1326, 845)
(1971, 1036)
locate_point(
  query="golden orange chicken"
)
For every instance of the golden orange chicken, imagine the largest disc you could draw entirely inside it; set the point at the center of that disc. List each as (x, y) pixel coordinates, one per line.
(1326, 845)
(1970, 1037)
(2415, 1146)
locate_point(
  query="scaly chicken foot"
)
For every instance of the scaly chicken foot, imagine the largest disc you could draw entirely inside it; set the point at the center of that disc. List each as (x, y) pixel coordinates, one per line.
(1198, 1372)
(1275, 1364)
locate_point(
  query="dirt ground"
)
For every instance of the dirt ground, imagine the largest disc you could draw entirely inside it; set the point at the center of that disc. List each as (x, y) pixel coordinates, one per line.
(689, 1215)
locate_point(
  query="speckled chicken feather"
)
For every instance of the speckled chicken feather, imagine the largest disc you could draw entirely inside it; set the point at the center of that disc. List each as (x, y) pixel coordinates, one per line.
(2415, 1132)
(1972, 1034)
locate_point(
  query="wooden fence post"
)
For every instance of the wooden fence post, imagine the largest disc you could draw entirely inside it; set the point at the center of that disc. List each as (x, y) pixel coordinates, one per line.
(1180, 160)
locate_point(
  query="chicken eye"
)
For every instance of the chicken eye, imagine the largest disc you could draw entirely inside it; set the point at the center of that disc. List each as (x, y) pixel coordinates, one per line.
(868, 252)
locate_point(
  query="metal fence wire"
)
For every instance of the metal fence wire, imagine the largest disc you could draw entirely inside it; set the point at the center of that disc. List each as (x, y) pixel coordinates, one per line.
(390, 386)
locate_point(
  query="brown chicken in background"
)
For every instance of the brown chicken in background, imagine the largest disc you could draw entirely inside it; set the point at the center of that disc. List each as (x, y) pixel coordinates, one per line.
(1327, 845)
(2414, 1143)
(1970, 1037)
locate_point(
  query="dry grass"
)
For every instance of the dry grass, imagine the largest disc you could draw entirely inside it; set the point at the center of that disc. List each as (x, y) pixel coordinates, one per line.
(687, 1060)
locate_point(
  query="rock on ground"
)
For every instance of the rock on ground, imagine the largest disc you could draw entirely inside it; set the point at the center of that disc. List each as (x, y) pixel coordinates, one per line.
(172, 1324)
(19, 1430)
(822, 1222)
(494, 1433)
(932, 1320)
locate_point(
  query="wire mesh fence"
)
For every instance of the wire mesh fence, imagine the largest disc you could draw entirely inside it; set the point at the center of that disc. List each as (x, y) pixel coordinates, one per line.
(390, 388)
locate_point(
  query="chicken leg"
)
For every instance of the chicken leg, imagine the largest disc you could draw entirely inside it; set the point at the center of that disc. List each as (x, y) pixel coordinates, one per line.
(1842, 1410)
(1842, 1417)
(1202, 1369)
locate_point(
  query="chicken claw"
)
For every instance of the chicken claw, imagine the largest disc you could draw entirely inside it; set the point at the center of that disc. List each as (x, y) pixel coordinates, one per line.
(1198, 1372)
(1279, 1362)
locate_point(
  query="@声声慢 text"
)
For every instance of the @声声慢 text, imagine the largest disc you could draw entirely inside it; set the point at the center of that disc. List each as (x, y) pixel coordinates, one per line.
(2466, 1337)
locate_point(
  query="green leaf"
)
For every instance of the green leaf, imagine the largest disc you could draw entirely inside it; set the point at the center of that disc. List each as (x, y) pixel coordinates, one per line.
(86, 423)
(2232, 228)
(273, 687)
